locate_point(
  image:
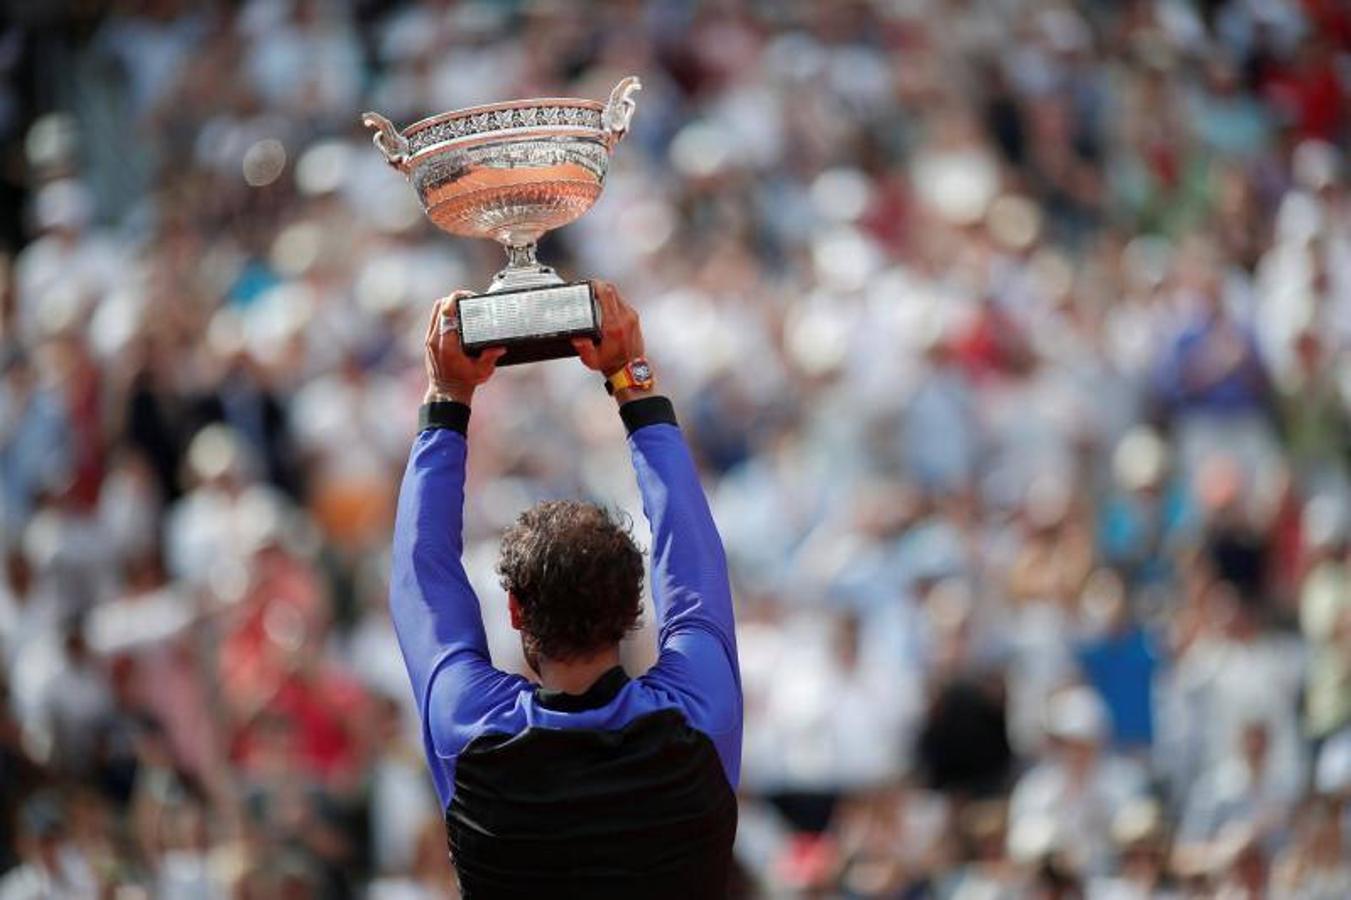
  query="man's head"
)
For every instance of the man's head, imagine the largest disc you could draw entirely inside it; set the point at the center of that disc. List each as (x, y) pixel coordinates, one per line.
(574, 580)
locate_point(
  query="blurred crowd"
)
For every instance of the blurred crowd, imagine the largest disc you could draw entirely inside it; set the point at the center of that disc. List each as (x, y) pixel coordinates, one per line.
(1013, 339)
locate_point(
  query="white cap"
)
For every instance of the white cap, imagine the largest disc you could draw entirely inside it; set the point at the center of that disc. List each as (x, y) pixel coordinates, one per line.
(1140, 459)
(63, 204)
(1076, 714)
(215, 451)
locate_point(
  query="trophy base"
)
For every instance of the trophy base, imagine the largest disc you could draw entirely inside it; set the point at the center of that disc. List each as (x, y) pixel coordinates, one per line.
(532, 323)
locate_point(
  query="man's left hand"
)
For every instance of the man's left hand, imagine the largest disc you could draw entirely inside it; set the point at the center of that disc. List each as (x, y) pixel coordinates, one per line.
(451, 373)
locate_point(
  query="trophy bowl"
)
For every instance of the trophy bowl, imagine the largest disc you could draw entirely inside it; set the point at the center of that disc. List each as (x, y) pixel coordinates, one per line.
(510, 171)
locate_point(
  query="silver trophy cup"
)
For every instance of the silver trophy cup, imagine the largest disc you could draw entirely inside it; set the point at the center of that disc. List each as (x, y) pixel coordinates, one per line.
(510, 172)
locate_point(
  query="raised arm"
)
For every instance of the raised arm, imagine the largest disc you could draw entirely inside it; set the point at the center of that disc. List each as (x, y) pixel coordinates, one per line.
(696, 632)
(689, 569)
(435, 611)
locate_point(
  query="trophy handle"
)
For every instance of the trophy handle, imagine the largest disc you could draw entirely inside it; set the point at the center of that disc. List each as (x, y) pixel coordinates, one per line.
(619, 110)
(392, 145)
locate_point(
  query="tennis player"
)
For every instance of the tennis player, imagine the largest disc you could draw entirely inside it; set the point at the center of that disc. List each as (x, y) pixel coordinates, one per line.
(585, 782)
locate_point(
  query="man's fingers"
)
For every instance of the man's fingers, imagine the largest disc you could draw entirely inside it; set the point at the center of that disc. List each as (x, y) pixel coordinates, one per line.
(616, 301)
(487, 361)
(450, 315)
(587, 352)
(618, 317)
(443, 305)
(609, 301)
(490, 356)
(432, 323)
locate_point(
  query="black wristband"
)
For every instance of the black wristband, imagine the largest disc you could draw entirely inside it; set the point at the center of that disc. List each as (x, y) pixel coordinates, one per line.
(450, 414)
(655, 410)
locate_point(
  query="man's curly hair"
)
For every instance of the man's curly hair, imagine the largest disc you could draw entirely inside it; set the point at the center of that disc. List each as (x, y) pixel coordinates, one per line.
(577, 575)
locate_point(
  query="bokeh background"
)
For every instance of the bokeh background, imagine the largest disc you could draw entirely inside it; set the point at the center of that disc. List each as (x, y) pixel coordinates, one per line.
(1013, 339)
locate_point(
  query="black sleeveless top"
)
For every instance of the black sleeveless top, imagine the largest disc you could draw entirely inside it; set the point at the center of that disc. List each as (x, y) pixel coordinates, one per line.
(644, 811)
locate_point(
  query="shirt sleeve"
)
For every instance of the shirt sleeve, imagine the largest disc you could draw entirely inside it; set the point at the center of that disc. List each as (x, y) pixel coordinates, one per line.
(435, 610)
(696, 636)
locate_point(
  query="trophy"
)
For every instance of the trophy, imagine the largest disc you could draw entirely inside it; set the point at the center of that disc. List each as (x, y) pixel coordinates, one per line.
(512, 171)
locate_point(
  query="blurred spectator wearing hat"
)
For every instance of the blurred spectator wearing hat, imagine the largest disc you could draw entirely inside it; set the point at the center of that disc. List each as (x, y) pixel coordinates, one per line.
(1077, 790)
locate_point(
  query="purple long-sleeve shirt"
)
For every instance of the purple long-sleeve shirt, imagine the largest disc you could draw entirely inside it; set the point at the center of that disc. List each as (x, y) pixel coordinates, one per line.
(460, 694)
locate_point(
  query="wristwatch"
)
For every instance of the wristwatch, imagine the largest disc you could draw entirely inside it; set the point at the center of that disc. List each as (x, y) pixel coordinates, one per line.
(636, 375)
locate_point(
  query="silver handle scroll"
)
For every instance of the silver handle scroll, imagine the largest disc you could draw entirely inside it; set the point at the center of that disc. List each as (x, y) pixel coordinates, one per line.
(619, 109)
(392, 145)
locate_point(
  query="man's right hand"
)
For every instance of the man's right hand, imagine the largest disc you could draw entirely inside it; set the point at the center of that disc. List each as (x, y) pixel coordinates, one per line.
(621, 334)
(621, 339)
